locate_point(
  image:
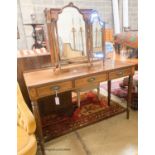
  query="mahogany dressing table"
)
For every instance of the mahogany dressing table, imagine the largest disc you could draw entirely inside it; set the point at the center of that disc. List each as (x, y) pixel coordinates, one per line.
(45, 82)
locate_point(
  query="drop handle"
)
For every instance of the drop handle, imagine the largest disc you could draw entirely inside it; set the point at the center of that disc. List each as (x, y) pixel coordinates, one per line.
(55, 88)
(91, 79)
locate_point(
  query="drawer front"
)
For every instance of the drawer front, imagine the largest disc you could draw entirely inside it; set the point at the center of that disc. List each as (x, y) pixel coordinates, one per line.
(120, 73)
(51, 89)
(91, 80)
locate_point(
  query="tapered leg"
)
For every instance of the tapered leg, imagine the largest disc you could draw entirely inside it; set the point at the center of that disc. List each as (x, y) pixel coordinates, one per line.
(130, 82)
(109, 92)
(39, 126)
(78, 98)
(98, 92)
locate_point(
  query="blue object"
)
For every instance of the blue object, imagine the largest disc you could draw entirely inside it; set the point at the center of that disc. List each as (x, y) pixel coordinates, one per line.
(109, 47)
(98, 54)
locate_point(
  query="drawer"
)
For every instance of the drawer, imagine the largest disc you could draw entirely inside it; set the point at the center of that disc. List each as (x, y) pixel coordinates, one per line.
(91, 80)
(120, 73)
(51, 88)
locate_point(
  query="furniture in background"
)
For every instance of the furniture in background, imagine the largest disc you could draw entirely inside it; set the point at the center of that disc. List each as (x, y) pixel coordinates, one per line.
(38, 35)
(26, 126)
(129, 41)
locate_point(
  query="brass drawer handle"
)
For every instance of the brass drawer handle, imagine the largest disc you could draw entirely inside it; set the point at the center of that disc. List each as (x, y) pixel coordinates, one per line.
(120, 73)
(54, 88)
(91, 79)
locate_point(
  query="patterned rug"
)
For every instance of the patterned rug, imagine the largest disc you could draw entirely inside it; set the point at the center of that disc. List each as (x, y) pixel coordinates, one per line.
(116, 89)
(92, 110)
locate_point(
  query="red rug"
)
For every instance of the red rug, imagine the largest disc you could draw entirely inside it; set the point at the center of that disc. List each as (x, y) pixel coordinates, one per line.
(92, 110)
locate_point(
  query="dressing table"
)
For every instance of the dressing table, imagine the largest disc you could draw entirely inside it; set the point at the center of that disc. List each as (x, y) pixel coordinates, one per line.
(75, 76)
(45, 82)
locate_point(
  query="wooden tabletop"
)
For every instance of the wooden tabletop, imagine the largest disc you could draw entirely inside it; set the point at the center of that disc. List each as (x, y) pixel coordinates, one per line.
(44, 76)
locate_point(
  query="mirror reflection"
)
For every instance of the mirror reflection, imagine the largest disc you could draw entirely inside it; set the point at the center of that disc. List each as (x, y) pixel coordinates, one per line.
(97, 32)
(71, 34)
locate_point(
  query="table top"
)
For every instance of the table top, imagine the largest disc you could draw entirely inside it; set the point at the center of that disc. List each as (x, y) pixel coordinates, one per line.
(47, 75)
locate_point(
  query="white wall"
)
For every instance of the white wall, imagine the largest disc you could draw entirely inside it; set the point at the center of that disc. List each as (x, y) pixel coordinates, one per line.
(104, 7)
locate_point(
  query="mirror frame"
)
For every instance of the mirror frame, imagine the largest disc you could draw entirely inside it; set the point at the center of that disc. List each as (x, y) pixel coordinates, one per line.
(51, 16)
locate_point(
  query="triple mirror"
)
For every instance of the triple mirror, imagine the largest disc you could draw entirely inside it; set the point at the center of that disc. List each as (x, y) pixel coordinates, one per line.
(74, 35)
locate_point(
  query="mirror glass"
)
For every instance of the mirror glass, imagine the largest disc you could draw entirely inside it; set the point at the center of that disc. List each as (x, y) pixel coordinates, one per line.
(71, 34)
(97, 28)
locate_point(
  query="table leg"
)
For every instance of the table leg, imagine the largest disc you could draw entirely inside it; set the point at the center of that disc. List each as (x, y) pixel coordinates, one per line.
(109, 92)
(129, 94)
(98, 92)
(39, 132)
(78, 98)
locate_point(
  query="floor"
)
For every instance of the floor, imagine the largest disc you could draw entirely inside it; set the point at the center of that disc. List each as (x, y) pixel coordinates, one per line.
(114, 136)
